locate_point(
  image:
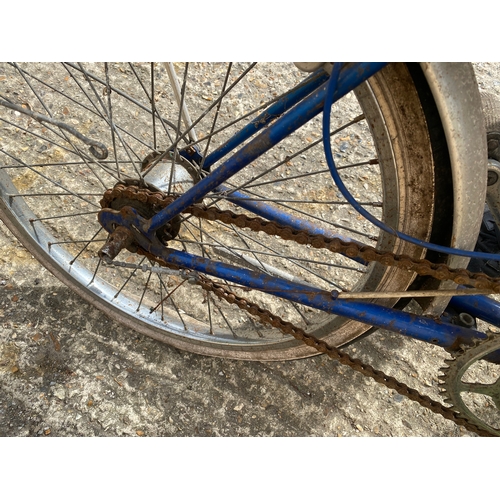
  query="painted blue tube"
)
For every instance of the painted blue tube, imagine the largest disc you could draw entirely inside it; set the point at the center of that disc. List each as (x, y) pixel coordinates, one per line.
(418, 327)
(281, 128)
(478, 306)
(274, 111)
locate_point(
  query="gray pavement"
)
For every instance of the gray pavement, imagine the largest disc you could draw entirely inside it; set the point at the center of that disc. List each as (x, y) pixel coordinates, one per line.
(67, 370)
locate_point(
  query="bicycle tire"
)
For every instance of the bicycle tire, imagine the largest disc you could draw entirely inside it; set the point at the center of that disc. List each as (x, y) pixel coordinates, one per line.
(38, 158)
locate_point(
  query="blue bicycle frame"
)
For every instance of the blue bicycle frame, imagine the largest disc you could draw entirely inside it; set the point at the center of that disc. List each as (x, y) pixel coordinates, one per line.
(287, 115)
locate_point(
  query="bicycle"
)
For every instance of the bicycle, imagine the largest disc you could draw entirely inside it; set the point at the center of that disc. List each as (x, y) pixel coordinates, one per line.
(147, 216)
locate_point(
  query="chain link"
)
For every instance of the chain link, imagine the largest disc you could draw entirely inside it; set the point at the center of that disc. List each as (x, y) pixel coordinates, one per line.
(351, 249)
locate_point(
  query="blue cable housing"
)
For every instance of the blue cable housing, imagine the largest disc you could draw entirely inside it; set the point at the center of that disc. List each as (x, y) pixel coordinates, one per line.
(332, 85)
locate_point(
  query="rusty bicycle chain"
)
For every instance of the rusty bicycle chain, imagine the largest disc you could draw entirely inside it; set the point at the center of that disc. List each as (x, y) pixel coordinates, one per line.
(369, 254)
(266, 316)
(351, 249)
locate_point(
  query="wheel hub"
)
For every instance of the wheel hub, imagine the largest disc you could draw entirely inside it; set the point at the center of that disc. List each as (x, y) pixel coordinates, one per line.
(166, 233)
(163, 172)
(169, 173)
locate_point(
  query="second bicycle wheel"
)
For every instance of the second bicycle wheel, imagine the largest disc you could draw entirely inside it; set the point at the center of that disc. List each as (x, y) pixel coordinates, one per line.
(51, 186)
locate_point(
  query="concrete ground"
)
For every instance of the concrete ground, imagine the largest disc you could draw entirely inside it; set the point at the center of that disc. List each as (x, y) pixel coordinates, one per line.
(67, 370)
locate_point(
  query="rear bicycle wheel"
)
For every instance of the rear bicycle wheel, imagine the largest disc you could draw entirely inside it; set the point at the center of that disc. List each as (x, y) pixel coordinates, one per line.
(50, 187)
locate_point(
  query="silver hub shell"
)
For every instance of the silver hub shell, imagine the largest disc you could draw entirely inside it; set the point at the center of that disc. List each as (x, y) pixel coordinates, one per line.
(172, 176)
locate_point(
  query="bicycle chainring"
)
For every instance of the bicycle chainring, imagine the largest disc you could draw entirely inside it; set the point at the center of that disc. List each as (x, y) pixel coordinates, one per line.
(471, 384)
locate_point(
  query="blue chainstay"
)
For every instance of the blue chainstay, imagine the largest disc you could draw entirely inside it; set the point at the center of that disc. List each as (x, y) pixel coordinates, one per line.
(419, 327)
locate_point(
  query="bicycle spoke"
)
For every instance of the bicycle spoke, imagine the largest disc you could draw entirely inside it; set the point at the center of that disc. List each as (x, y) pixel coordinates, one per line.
(110, 115)
(373, 161)
(153, 106)
(169, 295)
(73, 242)
(219, 309)
(207, 146)
(377, 204)
(34, 195)
(205, 254)
(299, 312)
(95, 272)
(83, 214)
(71, 262)
(161, 298)
(131, 275)
(144, 291)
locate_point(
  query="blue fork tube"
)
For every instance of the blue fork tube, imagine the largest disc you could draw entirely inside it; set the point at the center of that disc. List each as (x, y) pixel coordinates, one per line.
(303, 112)
(418, 327)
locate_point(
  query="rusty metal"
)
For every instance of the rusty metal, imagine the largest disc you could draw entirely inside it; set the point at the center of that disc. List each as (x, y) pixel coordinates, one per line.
(457, 371)
(423, 267)
(269, 318)
(119, 239)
